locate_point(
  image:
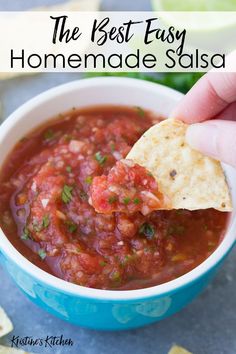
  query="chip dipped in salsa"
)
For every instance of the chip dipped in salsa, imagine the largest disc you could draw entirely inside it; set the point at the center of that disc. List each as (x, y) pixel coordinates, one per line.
(57, 210)
(127, 188)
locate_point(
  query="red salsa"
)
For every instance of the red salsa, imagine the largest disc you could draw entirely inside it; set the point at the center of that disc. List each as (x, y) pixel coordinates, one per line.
(54, 174)
(128, 188)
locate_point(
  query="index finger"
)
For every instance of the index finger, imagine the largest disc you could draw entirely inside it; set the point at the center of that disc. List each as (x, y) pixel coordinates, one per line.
(208, 97)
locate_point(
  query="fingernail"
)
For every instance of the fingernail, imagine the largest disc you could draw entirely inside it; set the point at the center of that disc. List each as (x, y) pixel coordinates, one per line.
(203, 137)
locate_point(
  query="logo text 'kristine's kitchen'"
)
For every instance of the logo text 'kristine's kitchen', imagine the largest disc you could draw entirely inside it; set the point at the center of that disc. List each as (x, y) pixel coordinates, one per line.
(47, 342)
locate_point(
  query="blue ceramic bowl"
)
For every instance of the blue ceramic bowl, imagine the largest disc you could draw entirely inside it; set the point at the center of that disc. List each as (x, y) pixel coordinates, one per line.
(103, 309)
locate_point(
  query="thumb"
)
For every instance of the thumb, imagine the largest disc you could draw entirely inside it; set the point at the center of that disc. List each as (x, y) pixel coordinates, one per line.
(215, 138)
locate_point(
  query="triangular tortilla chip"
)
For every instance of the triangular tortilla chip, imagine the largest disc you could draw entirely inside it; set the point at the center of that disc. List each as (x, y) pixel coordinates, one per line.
(186, 177)
(5, 323)
(176, 349)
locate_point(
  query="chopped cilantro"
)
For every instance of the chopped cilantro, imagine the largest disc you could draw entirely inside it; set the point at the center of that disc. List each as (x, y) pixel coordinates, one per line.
(88, 180)
(49, 134)
(66, 194)
(126, 200)
(147, 230)
(100, 158)
(140, 111)
(136, 200)
(42, 254)
(112, 199)
(71, 227)
(68, 169)
(102, 263)
(113, 147)
(43, 225)
(26, 234)
(45, 222)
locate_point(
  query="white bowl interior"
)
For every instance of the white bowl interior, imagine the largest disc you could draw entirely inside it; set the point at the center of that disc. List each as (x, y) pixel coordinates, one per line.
(85, 93)
(101, 91)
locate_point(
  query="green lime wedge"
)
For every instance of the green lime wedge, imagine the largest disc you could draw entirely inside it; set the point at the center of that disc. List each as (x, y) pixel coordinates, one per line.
(192, 5)
(197, 21)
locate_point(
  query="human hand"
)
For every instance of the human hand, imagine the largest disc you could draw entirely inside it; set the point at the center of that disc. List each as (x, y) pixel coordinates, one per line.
(210, 108)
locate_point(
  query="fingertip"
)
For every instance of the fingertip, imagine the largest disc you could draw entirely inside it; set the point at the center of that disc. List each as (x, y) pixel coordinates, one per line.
(175, 114)
(187, 110)
(193, 135)
(182, 115)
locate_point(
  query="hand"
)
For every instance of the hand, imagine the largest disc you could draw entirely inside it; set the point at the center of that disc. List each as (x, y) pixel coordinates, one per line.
(210, 106)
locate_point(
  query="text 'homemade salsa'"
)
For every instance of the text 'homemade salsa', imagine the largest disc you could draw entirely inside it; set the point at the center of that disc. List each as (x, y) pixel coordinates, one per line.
(55, 174)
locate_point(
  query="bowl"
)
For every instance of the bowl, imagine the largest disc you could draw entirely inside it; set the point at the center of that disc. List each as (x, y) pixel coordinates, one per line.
(93, 308)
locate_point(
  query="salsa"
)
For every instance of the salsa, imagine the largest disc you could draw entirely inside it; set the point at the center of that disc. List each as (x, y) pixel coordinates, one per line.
(54, 174)
(128, 188)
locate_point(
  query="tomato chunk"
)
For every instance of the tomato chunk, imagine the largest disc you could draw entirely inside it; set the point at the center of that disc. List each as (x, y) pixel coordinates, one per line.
(127, 188)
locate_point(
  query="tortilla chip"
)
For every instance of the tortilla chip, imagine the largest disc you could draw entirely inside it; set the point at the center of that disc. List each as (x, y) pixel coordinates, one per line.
(8, 350)
(185, 176)
(178, 350)
(5, 323)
